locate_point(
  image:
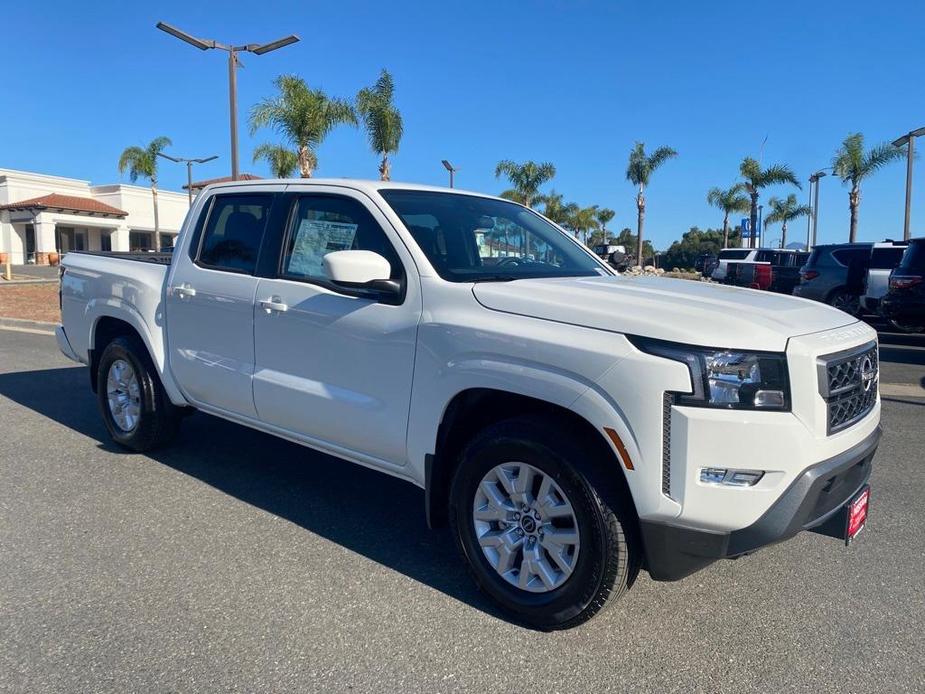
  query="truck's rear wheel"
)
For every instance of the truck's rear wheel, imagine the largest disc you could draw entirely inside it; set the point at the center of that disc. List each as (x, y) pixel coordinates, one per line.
(539, 538)
(135, 408)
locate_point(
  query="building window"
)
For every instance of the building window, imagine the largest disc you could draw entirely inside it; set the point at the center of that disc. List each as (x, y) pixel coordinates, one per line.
(140, 241)
(105, 241)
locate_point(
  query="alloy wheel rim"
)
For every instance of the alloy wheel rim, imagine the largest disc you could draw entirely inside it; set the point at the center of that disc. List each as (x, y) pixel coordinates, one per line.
(526, 527)
(123, 395)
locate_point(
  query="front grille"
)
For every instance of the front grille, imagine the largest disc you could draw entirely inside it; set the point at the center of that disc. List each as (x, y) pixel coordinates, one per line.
(848, 384)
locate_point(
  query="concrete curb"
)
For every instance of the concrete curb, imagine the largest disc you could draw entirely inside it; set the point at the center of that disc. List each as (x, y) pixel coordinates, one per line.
(39, 326)
(17, 283)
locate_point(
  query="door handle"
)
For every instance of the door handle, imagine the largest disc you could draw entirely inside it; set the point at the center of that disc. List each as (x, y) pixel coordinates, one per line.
(274, 303)
(184, 290)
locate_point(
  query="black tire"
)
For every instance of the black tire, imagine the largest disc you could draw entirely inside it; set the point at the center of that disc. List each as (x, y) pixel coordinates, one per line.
(159, 418)
(609, 558)
(907, 327)
(846, 301)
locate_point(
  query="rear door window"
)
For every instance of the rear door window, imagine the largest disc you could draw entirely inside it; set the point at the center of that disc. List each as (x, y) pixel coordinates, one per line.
(886, 258)
(914, 257)
(846, 256)
(734, 254)
(234, 231)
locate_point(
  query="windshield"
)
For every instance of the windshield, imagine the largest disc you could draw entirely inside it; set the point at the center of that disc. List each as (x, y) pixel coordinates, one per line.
(472, 239)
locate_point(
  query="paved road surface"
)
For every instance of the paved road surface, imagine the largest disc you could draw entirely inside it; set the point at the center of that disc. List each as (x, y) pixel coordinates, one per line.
(237, 562)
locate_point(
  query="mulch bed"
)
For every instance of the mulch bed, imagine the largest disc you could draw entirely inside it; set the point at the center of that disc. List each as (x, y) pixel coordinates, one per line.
(30, 301)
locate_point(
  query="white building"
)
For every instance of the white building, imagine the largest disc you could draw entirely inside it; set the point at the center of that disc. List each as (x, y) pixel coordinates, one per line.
(41, 214)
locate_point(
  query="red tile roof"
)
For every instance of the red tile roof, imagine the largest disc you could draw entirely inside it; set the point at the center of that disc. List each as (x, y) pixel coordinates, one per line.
(68, 203)
(199, 185)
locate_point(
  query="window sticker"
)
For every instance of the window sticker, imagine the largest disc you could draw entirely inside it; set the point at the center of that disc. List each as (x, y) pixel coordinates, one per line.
(315, 239)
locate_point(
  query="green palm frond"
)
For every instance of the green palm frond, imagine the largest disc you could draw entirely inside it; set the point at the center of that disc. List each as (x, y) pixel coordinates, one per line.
(382, 120)
(604, 215)
(757, 178)
(526, 179)
(302, 115)
(786, 210)
(853, 164)
(640, 165)
(283, 162)
(730, 200)
(141, 162)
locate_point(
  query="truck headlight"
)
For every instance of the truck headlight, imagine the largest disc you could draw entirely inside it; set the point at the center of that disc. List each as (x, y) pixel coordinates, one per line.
(727, 378)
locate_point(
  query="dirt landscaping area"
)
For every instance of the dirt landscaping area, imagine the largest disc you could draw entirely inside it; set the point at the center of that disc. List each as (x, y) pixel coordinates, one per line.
(30, 301)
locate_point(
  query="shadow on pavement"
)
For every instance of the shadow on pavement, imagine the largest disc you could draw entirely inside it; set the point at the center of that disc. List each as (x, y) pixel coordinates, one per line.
(372, 514)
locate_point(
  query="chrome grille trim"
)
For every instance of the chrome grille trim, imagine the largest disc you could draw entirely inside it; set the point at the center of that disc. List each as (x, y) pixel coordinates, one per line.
(848, 383)
(667, 402)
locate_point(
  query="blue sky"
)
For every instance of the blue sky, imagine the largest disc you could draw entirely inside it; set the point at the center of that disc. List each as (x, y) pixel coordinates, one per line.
(574, 83)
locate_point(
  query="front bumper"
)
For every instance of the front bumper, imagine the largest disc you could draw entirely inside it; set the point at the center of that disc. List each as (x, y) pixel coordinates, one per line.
(674, 551)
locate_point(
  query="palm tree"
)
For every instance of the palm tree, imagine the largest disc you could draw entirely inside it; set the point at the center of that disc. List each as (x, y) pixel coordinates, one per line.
(555, 208)
(852, 164)
(757, 178)
(583, 221)
(785, 211)
(729, 201)
(604, 215)
(638, 172)
(526, 179)
(382, 120)
(283, 162)
(303, 116)
(141, 162)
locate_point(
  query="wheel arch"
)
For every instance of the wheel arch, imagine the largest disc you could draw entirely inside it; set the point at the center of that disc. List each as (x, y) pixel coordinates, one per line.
(472, 410)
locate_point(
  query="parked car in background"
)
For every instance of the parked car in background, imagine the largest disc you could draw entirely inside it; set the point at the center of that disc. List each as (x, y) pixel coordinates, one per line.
(777, 271)
(732, 255)
(834, 274)
(904, 303)
(568, 440)
(706, 263)
(613, 254)
(884, 258)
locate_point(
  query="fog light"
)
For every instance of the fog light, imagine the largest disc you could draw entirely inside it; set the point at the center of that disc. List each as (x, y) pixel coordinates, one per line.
(730, 478)
(770, 398)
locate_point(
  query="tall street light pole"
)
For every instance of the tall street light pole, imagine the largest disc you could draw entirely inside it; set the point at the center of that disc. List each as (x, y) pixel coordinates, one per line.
(233, 62)
(815, 179)
(909, 140)
(189, 170)
(809, 217)
(449, 167)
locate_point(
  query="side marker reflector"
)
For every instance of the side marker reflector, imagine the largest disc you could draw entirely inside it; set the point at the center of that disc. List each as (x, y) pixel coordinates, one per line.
(621, 449)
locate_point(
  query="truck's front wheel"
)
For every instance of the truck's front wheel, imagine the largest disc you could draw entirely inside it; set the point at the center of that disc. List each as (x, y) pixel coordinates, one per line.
(135, 408)
(539, 537)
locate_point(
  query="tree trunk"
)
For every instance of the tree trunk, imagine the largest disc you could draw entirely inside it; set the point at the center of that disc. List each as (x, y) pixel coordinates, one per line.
(783, 236)
(753, 219)
(854, 201)
(305, 162)
(640, 222)
(385, 169)
(726, 230)
(157, 225)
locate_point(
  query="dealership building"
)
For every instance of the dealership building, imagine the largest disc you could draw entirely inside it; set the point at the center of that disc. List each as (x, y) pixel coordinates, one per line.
(42, 214)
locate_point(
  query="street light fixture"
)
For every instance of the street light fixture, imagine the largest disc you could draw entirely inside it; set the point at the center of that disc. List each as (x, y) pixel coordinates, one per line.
(189, 170)
(233, 62)
(908, 139)
(449, 167)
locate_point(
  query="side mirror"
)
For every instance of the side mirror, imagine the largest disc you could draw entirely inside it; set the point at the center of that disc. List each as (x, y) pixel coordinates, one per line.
(362, 270)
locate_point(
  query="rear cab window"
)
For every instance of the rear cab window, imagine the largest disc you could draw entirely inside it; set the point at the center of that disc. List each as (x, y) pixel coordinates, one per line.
(233, 232)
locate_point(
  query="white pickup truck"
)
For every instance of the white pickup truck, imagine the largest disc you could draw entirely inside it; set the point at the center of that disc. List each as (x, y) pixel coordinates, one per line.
(571, 425)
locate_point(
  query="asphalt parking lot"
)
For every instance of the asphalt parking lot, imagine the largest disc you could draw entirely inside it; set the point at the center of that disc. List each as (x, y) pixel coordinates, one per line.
(234, 561)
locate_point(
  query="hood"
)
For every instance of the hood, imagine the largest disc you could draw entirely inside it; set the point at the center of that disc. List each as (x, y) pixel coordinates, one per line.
(695, 313)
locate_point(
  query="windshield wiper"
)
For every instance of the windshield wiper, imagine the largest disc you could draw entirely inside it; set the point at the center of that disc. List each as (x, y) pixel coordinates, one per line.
(496, 278)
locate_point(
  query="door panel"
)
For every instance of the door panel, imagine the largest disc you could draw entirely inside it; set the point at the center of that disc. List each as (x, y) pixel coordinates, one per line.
(210, 303)
(330, 366)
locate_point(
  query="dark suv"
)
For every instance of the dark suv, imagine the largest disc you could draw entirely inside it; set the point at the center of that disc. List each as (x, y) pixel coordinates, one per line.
(904, 303)
(834, 274)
